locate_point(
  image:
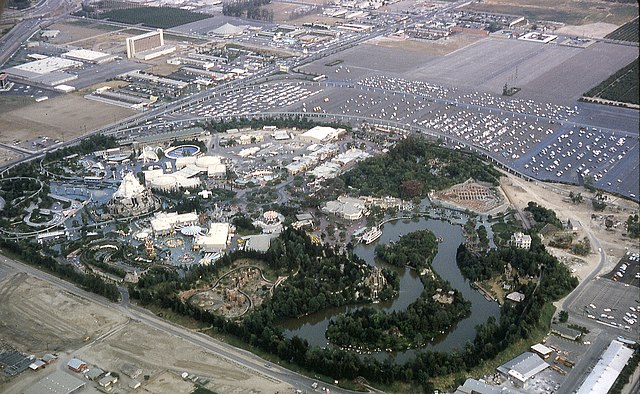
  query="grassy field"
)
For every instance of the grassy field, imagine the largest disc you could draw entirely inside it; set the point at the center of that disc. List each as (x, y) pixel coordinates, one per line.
(622, 86)
(626, 32)
(566, 11)
(160, 17)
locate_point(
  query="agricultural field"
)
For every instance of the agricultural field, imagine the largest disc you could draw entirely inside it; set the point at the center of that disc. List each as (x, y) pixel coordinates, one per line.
(160, 17)
(622, 86)
(564, 11)
(626, 32)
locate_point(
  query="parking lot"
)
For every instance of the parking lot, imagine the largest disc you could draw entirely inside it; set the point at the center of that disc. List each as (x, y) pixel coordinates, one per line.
(627, 271)
(607, 302)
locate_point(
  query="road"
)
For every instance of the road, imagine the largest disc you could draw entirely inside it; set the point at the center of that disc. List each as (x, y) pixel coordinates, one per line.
(242, 358)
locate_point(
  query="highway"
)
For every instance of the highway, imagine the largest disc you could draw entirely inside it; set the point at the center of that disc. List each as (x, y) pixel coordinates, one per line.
(242, 358)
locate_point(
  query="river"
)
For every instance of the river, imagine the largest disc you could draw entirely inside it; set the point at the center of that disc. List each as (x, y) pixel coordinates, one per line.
(313, 327)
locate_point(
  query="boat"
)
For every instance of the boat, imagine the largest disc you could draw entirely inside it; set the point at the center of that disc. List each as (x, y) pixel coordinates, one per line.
(371, 235)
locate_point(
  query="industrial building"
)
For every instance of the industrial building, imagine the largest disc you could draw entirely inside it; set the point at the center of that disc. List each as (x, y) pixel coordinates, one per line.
(88, 56)
(472, 386)
(45, 70)
(606, 371)
(58, 382)
(148, 45)
(522, 368)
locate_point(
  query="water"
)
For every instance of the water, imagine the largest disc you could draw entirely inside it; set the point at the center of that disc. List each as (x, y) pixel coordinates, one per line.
(313, 327)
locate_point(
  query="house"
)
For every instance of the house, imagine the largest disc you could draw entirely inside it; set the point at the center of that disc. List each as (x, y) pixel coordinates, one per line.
(94, 373)
(36, 365)
(76, 365)
(515, 296)
(131, 370)
(521, 240)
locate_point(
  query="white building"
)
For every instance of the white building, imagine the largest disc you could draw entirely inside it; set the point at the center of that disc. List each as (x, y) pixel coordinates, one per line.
(523, 368)
(521, 240)
(163, 223)
(216, 239)
(605, 373)
(320, 134)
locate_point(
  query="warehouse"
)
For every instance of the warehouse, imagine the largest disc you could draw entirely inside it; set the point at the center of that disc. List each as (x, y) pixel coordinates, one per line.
(522, 368)
(57, 383)
(85, 55)
(605, 373)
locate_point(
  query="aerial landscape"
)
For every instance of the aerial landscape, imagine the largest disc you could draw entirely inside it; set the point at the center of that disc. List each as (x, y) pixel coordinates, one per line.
(319, 196)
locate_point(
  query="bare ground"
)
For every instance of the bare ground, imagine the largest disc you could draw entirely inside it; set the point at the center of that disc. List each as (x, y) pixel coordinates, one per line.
(440, 47)
(593, 30)
(613, 242)
(37, 317)
(61, 117)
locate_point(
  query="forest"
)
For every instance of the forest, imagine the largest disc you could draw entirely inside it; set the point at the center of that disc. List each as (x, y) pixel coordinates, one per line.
(259, 329)
(413, 168)
(423, 320)
(542, 215)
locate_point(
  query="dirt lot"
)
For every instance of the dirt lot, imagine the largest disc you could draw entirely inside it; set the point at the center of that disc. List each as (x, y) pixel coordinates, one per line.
(521, 192)
(37, 317)
(441, 47)
(58, 117)
(566, 11)
(7, 155)
(594, 30)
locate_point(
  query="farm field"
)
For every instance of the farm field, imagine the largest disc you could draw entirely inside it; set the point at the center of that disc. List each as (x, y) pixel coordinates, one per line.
(626, 32)
(164, 17)
(564, 11)
(622, 86)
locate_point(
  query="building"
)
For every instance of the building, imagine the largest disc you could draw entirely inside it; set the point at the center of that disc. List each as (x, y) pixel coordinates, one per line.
(347, 207)
(57, 382)
(606, 371)
(131, 370)
(515, 296)
(131, 198)
(94, 373)
(542, 350)
(77, 365)
(520, 369)
(565, 332)
(216, 238)
(320, 134)
(520, 240)
(148, 45)
(164, 223)
(472, 386)
(88, 56)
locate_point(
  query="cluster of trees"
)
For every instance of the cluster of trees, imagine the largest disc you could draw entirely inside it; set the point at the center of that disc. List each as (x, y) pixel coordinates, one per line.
(621, 86)
(416, 249)
(633, 226)
(415, 166)
(251, 9)
(542, 215)
(555, 280)
(244, 225)
(297, 121)
(88, 145)
(30, 253)
(325, 278)
(421, 321)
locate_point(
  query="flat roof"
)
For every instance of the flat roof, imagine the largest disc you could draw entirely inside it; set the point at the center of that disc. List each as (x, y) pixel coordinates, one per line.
(86, 54)
(605, 373)
(58, 382)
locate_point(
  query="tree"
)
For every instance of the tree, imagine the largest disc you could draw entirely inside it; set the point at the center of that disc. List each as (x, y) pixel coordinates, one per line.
(564, 316)
(576, 198)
